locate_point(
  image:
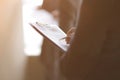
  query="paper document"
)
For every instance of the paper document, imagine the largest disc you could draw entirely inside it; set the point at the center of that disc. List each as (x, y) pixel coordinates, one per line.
(53, 33)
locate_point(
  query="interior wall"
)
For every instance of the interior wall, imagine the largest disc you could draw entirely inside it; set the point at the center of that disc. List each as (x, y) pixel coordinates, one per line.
(12, 58)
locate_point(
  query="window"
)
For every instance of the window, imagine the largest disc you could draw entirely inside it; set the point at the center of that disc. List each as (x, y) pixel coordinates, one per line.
(32, 40)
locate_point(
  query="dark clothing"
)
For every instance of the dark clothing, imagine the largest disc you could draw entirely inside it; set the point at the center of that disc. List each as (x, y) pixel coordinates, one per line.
(94, 53)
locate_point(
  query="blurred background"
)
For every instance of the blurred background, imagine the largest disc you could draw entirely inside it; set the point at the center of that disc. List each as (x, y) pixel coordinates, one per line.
(20, 44)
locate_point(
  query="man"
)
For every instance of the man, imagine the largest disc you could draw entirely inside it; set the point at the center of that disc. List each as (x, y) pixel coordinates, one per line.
(67, 19)
(94, 53)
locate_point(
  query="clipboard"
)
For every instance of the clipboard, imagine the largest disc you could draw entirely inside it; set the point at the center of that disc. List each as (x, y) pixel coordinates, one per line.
(53, 33)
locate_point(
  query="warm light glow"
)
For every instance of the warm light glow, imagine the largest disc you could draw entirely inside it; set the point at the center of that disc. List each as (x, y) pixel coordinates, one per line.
(12, 59)
(32, 40)
(32, 51)
(33, 2)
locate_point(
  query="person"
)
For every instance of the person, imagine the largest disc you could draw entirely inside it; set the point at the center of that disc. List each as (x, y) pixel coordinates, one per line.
(48, 59)
(94, 52)
(68, 13)
(48, 54)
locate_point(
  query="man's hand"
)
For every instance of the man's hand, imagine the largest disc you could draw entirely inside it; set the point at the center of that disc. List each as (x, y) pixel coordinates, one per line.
(70, 35)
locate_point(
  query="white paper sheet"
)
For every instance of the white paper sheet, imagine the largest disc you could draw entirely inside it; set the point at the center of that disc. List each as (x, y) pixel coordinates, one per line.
(52, 33)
